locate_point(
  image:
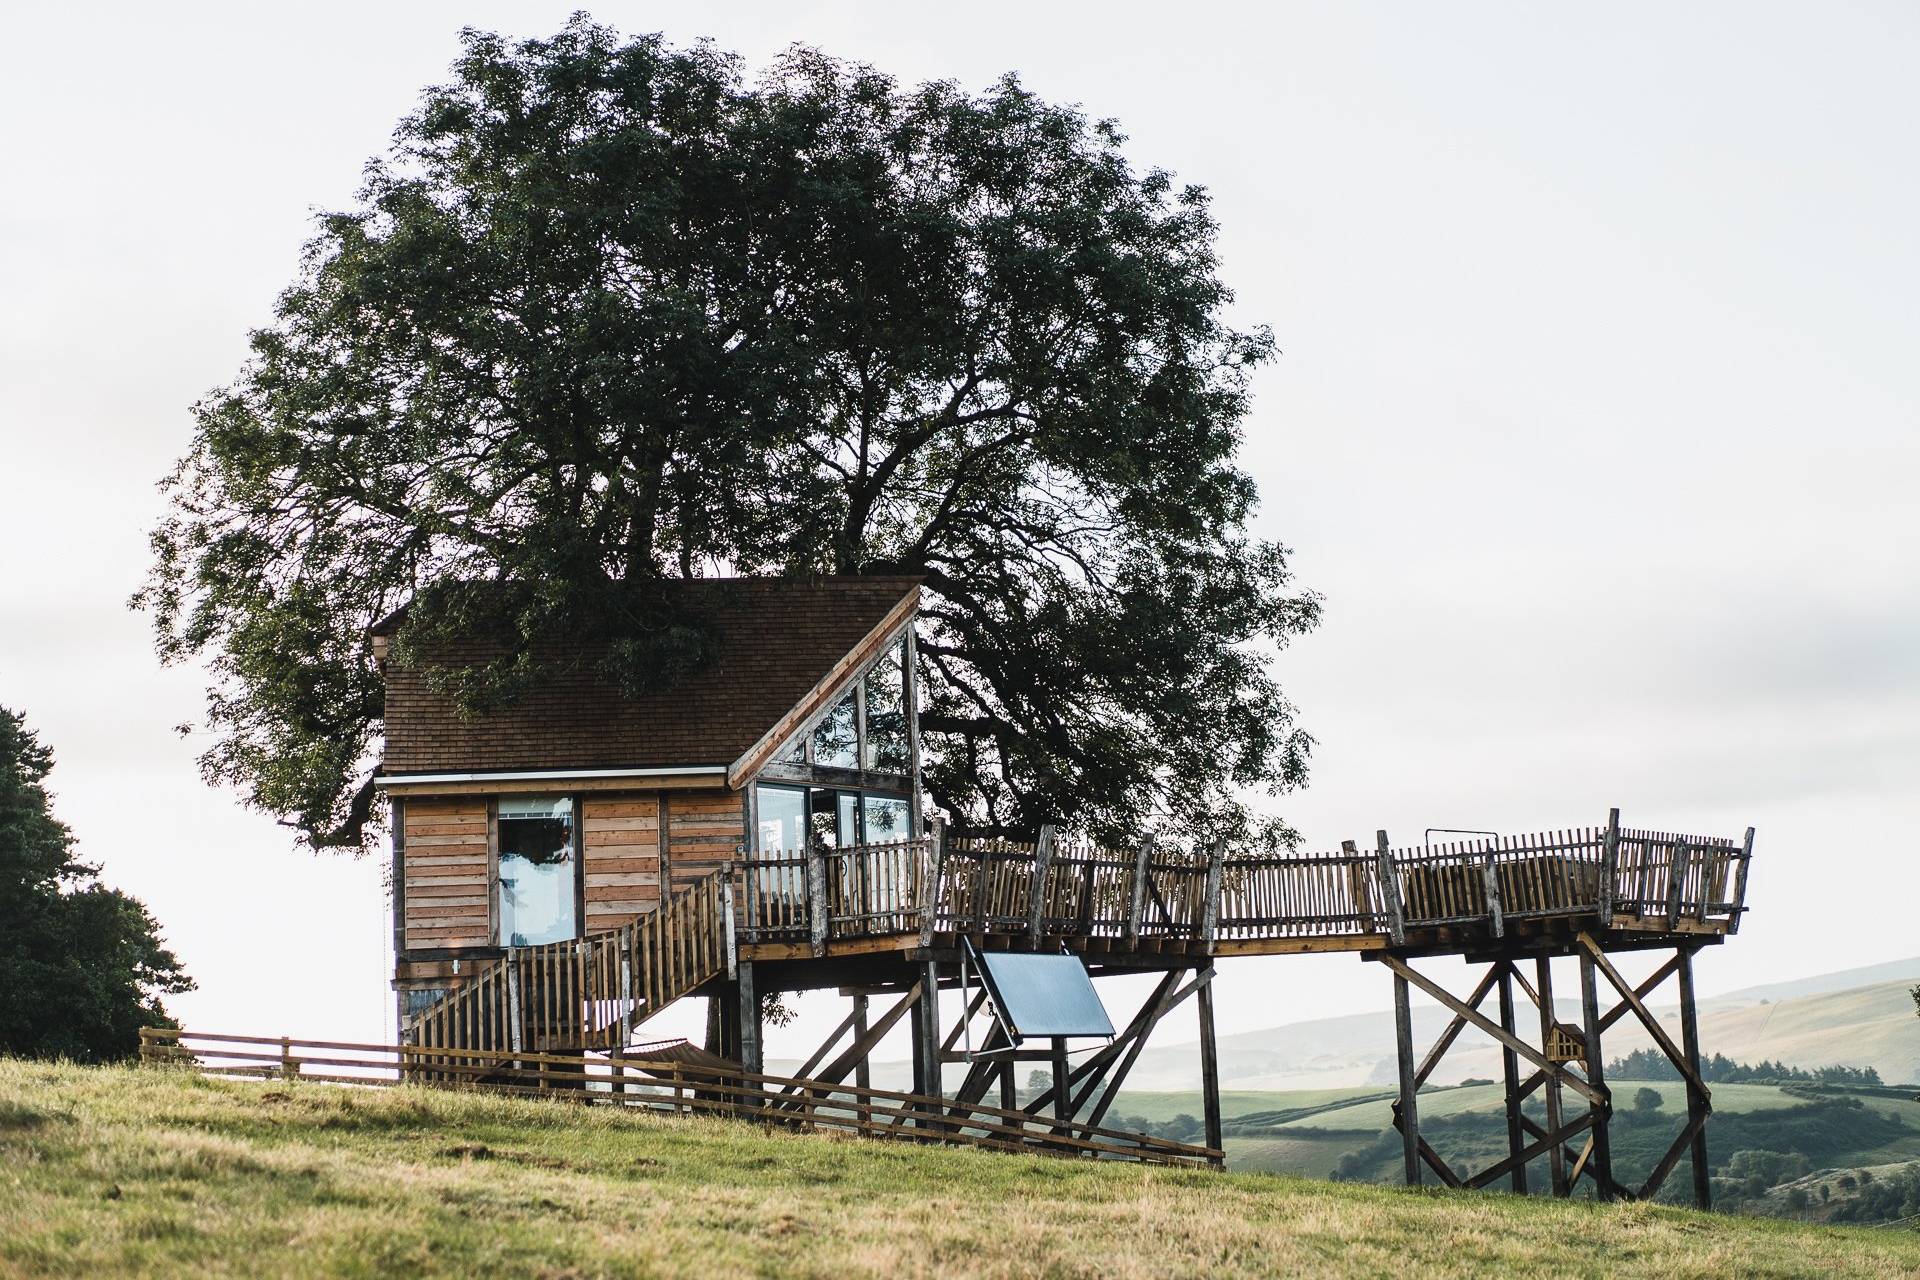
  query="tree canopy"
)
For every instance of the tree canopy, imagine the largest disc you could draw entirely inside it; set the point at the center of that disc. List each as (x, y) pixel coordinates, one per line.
(609, 311)
(81, 965)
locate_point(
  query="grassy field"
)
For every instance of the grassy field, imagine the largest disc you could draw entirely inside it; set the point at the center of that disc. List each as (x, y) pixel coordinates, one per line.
(121, 1171)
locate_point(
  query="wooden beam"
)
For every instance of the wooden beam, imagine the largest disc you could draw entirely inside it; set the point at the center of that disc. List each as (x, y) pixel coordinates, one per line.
(1598, 1099)
(1042, 865)
(1138, 899)
(1599, 959)
(1516, 1163)
(1390, 890)
(1646, 988)
(1510, 1070)
(1209, 1053)
(1454, 1028)
(1135, 1037)
(1487, 1025)
(1697, 1109)
(857, 1052)
(1740, 885)
(1688, 1133)
(1407, 1112)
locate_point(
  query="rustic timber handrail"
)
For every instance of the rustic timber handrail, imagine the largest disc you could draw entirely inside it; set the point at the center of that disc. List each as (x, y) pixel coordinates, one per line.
(666, 1086)
(590, 992)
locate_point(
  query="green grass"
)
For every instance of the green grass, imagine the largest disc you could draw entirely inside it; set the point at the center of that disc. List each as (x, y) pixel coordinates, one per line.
(123, 1171)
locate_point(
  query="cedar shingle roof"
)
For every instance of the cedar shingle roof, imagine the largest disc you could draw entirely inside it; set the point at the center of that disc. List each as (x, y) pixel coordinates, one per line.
(775, 639)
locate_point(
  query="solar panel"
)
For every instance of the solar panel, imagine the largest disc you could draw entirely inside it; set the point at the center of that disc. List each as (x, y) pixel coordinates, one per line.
(1042, 995)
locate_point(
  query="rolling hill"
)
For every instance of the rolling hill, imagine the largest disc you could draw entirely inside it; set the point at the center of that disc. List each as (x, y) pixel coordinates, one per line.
(107, 1171)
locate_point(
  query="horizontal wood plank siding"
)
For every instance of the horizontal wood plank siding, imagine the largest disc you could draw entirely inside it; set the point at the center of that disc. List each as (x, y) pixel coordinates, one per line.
(621, 836)
(446, 873)
(703, 830)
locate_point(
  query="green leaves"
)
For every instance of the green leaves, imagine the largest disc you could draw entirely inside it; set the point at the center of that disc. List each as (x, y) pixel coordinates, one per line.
(81, 965)
(608, 311)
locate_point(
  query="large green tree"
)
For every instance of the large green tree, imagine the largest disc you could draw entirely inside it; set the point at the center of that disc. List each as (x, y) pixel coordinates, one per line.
(609, 311)
(81, 965)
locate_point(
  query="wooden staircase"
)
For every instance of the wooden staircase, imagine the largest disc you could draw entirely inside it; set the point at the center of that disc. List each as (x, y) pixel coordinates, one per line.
(587, 993)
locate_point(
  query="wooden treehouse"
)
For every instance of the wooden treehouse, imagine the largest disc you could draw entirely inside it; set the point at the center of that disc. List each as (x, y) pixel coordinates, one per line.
(567, 867)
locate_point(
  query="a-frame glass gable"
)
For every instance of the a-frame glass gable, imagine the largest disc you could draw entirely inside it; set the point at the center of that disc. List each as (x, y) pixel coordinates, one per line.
(849, 777)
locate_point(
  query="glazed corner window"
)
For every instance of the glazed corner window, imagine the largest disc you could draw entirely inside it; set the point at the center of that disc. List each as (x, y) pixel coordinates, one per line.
(886, 694)
(537, 870)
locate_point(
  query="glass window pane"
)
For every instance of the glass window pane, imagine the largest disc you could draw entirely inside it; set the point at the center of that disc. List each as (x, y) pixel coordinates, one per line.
(886, 746)
(888, 818)
(833, 737)
(537, 871)
(823, 817)
(849, 819)
(782, 818)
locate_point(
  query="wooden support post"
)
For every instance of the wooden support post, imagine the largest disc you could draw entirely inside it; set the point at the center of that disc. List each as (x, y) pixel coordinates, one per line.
(1602, 1104)
(1557, 1161)
(516, 1035)
(1609, 868)
(726, 917)
(1037, 904)
(930, 1028)
(1510, 1066)
(1390, 891)
(1408, 1117)
(1009, 1087)
(1210, 900)
(1740, 885)
(818, 910)
(936, 867)
(862, 1072)
(749, 1002)
(1698, 1104)
(1062, 1094)
(1209, 1061)
(1138, 902)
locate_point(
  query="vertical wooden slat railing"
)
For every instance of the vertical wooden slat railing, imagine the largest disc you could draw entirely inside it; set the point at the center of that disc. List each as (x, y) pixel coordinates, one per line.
(586, 993)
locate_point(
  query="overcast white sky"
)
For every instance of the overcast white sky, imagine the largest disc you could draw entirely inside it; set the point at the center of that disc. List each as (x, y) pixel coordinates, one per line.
(1596, 422)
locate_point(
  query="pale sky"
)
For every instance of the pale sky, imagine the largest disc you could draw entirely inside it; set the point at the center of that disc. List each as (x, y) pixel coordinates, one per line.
(1595, 423)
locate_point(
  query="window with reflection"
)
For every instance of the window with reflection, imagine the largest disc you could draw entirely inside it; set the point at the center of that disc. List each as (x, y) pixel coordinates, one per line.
(885, 749)
(781, 823)
(885, 818)
(537, 870)
(835, 738)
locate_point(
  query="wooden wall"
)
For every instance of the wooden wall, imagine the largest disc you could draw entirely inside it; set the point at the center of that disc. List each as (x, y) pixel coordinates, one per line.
(447, 894)
(622, 861)
(704, 829)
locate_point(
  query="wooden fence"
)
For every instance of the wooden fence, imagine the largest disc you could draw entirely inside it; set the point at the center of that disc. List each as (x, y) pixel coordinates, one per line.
(666, 1086)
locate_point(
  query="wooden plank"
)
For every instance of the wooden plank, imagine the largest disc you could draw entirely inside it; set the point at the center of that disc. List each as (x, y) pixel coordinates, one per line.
(1479, 1020)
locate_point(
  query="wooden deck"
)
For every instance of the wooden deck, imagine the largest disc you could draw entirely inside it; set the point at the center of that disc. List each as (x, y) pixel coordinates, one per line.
(1639, 886)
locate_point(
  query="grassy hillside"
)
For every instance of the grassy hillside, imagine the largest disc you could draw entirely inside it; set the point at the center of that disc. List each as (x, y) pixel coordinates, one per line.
(106, 1171)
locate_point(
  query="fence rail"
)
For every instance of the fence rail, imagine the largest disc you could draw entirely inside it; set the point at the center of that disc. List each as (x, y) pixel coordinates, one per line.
(667, 1086)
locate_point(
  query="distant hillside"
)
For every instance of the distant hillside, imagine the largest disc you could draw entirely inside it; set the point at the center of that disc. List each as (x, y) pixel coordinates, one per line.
(1858, 1018)
(112, 1172)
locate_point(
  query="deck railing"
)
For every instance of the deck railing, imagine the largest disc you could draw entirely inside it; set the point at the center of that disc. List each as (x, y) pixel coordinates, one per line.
(665, 1085)
(1059, 887)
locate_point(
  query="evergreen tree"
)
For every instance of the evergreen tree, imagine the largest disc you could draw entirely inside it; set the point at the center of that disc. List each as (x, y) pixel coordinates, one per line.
(81, 965)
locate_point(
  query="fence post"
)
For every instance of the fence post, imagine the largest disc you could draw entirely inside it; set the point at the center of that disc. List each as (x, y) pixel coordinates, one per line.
(816, 898)
(514, 1033)
(1676, 881)
(1740, 885)
(1390, 891)
(936, 861)
(1609, 868)
(1042, 860)
(1495, 915)
(1210, 902)
(289, 1068)
(1138, 903)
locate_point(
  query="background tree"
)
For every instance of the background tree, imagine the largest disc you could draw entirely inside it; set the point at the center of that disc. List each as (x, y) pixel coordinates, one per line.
(81, 965)
(607, 312)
